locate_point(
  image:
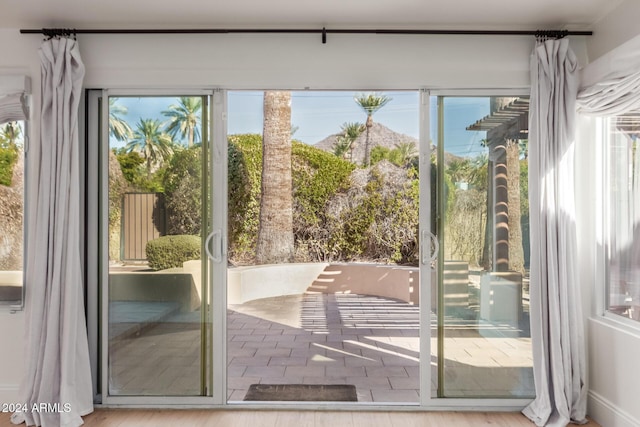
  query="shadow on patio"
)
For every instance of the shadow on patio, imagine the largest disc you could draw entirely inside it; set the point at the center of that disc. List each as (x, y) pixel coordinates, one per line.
(327, 335)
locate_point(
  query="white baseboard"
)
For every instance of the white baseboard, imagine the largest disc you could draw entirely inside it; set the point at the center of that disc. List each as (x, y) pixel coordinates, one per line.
(9, 393)
(607, 414)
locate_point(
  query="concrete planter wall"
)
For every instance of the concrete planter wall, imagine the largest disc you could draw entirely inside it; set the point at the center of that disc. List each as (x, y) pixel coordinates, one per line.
(265, 281)
(155, 287)
(389, 281)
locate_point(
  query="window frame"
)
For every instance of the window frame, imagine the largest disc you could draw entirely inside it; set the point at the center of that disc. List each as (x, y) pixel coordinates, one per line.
(605, 254)
(12, 85)
(13, 305)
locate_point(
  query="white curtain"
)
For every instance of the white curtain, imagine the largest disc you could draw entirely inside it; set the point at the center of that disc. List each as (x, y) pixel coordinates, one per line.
(610, 85)
(57, 371)
(557, 331)
(13, 108)
(613, 96)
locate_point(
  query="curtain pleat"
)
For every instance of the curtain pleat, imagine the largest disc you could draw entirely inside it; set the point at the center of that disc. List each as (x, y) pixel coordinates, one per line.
(557, 330)
(611, 97)
(610, 85)
(57, 371)
(12, 108)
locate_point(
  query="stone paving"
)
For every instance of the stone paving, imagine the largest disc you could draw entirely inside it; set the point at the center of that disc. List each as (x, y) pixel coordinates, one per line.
(319, 338)
(316, 338)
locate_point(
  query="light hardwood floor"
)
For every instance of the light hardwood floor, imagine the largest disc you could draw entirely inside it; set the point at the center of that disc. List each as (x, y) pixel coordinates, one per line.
(244, 418)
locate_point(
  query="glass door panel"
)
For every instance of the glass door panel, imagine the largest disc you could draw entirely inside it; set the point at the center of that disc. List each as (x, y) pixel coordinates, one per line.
(484, 343)
(323, 278)
(158, 216)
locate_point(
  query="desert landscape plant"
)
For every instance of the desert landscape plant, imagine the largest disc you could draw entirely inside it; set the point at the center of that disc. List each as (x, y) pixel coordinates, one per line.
(172, 251)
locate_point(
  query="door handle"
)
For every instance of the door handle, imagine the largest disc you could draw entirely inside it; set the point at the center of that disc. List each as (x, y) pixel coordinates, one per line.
(434, 247)
(217, 256)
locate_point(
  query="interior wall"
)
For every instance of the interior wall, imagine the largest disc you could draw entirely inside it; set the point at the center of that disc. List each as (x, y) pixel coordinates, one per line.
(11, 358)
(619, 26)
(268, 62)
(302, 61)
(614, 352)
(19, 57)
(613, 348)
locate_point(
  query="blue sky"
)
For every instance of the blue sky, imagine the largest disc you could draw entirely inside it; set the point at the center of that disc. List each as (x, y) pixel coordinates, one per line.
(318, 114)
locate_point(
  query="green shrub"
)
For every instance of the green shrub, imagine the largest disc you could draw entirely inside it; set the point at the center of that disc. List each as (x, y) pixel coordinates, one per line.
(376, 219)
(379, 153)
(134, 170)
(171, 251)
(118, 186)
(182, 182)
(8, 158)
(340, 213)
(244, 181)
(317, 176)
(131, 163)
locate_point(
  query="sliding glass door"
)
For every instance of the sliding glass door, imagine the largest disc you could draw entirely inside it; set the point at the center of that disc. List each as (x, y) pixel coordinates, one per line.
(484, 343)
(324, 248)
(336, 247)
(157, 215)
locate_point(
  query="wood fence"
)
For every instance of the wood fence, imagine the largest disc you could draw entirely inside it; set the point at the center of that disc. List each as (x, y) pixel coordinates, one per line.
(143, 219)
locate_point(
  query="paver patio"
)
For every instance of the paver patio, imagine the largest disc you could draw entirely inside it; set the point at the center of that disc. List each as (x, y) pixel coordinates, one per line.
(319, 338)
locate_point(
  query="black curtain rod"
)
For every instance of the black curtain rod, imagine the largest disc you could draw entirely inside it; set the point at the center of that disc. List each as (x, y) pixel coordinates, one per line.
(53, 32)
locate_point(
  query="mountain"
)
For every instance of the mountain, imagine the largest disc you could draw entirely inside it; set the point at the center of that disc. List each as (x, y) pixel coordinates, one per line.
(379, 135)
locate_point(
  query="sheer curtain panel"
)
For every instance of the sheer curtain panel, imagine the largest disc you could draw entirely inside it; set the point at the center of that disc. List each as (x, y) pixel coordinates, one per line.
(56, 388)
(557, 331)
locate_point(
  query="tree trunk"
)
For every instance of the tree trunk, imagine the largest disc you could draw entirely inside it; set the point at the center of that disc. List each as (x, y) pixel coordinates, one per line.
(508, 253)
(275, 232)
(487, 252)
(367, 158)
(516, 250)
(501, 208)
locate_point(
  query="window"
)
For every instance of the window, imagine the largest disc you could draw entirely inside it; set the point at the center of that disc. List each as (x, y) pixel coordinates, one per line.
(13, 115)
(622, 214)
(11, 211)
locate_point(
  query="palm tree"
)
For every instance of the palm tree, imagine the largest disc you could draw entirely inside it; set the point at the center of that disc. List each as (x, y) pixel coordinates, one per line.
(184, 118)
(341, 146)
(151, 142)
(370, 103)
(406, 152)
(503, 199)
(516, 248)
(345, 141)
(479, 172)
(459, 170)
(275, 230)
(118, 127)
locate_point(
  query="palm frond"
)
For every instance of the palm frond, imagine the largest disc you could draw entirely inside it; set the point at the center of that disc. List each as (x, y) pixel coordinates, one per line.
(184, 119)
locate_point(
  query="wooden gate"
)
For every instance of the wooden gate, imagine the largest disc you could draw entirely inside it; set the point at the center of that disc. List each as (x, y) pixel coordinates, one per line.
(143, 219)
